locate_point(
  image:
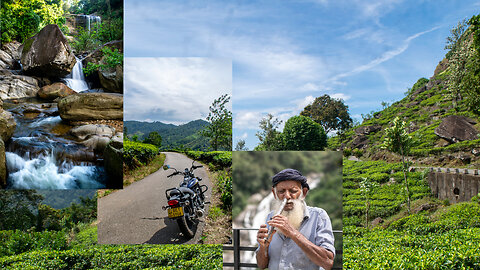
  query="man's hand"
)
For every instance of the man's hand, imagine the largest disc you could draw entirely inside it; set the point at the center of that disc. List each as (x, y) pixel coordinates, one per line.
(262, 254)
(281, 223)
(262, 235)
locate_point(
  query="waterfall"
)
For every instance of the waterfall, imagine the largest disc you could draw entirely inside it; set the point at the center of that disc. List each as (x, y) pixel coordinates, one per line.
(91, 18)
(76, 80)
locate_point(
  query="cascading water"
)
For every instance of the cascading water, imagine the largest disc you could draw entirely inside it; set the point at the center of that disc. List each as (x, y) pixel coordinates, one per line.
(76, 80)
(89, 19)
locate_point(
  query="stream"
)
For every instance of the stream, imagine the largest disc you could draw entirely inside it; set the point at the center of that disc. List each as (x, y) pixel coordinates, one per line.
(42, 154)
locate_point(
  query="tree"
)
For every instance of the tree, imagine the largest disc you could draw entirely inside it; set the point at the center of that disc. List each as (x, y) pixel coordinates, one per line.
(456, 34)
(330, 113)
(302, 133)
(219, 129)
(17, 209)
(397, 140)
(241, 146)
(270, 138)
(153, 138)
(367, 188)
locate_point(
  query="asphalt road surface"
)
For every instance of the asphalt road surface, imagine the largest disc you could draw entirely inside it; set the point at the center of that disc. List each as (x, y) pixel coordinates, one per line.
(134, 215)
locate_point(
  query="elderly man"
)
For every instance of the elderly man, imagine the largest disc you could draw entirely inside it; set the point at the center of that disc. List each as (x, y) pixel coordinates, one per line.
(303, 237)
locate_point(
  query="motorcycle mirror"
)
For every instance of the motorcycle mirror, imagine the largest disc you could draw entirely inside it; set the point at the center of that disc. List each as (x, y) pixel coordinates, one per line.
(166, 167)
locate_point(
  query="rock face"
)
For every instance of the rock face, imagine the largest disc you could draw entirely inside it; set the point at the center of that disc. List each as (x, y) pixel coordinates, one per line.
(56, 90)
(456, 128)
(110, 78)
(365, 130)
(7, 125)
(95, 137)
(10, 55)
(3, 165)
(113, 161)
(48, 54)
(17, 86)
(91, 106)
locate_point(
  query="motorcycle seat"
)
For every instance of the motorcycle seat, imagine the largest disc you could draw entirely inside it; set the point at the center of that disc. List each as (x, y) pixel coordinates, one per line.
(183, 190)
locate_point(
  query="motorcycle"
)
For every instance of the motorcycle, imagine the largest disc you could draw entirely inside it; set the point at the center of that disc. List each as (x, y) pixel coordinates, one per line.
(186, 203)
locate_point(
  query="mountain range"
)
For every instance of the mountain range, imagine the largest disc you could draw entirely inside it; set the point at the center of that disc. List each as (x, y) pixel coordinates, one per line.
(173, 136)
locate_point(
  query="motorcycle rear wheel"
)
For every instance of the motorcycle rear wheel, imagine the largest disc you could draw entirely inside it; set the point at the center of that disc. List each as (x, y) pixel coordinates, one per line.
(187, 227)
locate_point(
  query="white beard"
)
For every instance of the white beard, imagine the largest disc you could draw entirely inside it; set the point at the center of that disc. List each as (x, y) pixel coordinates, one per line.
(296, 215)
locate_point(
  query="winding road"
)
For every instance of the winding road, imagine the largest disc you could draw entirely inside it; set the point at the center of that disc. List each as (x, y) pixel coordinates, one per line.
(134, 215)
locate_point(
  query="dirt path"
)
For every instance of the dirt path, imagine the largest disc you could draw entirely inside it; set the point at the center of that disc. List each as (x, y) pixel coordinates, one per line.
(134, 215)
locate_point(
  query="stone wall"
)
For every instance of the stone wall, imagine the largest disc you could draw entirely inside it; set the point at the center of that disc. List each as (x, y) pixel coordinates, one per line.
(456, 185)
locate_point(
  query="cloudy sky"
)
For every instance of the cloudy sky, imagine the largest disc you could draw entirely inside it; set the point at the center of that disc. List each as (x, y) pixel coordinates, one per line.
(174, 90)
(286, 53)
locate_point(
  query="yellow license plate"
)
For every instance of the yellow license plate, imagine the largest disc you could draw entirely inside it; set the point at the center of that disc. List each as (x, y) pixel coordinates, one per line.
(175, 212)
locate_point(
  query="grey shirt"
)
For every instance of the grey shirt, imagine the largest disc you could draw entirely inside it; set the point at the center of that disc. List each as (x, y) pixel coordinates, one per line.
(284, 253)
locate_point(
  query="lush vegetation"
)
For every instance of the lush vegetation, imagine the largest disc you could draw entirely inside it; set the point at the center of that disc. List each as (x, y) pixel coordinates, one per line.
(101, 33)
(215, 158)
(137, 154)
(119, 257)
(22, 19)
(442, 237)
(182, 137)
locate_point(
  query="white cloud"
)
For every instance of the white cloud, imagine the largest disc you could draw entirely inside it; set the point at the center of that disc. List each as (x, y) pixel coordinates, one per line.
(174, 90)
(247, 119)
(384, 57)
(341, 96)
(301, 104)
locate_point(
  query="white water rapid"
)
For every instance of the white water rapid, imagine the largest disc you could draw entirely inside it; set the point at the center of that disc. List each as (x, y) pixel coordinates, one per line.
(76, 80)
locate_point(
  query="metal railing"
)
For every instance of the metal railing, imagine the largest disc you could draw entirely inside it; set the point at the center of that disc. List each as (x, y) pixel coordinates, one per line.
(237, 248)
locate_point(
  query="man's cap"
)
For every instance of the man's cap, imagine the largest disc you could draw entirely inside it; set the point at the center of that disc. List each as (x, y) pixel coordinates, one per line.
(290, 174)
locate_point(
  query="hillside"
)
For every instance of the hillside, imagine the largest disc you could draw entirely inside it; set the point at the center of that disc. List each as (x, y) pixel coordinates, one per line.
(186, 135)
(425, 106)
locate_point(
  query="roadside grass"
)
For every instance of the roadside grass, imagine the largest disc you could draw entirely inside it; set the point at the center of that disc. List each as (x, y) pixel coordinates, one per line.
(218, 222)
(131, 176)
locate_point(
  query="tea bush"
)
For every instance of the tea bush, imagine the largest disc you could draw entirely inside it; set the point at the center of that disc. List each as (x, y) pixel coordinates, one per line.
(136, 154)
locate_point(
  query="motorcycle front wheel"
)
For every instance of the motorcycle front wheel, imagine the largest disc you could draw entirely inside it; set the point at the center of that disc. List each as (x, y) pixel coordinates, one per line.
(186, 226)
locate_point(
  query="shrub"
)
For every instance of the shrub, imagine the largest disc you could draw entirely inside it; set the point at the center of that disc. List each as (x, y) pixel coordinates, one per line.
(135, 154)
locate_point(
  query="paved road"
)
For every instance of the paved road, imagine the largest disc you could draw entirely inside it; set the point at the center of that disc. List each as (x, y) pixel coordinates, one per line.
(134, 215)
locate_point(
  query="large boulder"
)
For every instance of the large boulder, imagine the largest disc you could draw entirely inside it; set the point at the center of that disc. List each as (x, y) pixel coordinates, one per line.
(7, 125)
(85, 131)
(112, 79)
(456, 128)
(113, 161)
(365, 130)
(48, 54)
(17, 86)
(56, 90)
(91, 106)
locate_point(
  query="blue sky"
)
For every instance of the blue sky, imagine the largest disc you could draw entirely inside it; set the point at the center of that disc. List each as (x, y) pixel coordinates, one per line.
(286, 53)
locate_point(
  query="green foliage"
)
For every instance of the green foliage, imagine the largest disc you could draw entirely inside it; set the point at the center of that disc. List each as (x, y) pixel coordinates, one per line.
(22, 19)
(16, 242)
(85, 40)
(222, 159)
(397, 139)
(17, 209)
(302, 133)
(110, 60)
(153, 138)
(120, 257)
(136, 154)
(270, 139)
(184, 136)
(219, 129)
(330, 113)
(110, 30)
(385, 249)
(224, 185)
(241, 146)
